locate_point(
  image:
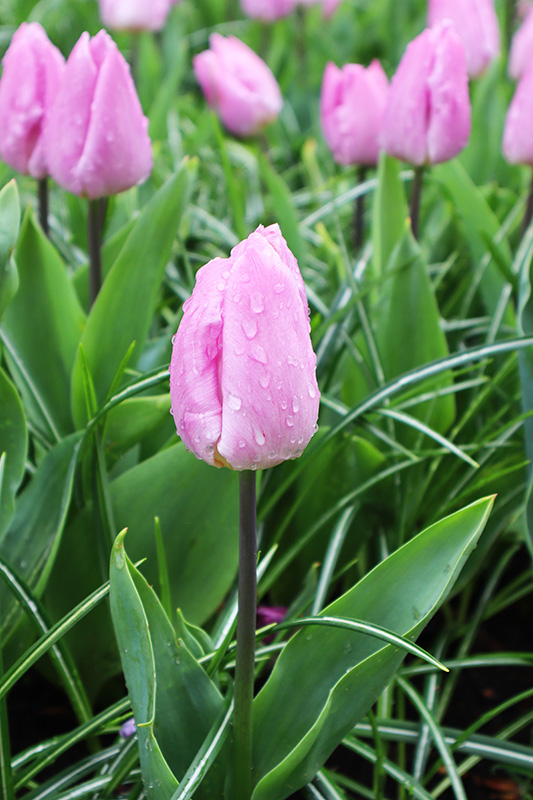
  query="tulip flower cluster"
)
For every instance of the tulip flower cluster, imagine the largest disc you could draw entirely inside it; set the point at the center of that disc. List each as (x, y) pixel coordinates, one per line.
(476, 24)
(79, 122)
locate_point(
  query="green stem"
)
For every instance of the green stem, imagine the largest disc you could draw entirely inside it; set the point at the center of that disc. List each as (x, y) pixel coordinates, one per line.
(359, 213)
(416, 193)
(245, 652)
(94, 231)
(42, 193)
(528, 214)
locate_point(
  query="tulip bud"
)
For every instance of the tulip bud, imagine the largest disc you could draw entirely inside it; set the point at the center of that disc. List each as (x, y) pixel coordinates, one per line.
(238, 85)
(267, 10)
(96, 135)
(517, 138)
(242, 375)
(476, 24)
(135, 15)
(520, 55)
(427, 115)
(32, 71)
(351, 110)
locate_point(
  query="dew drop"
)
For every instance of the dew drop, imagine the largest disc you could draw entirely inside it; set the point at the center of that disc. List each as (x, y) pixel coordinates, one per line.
(257, 302)
(173, 339)
(209, 449)
(242, 444)
(239, 351)
(264, 380)
(249, 327)
(279, 288)
(284, 404)
(225, 274)
(311, 391)
(295, 405)
(221, 286)
(234, 402)
(259, 354)
(237, 298)
(290, 421)
(259, 437)
(245, 278)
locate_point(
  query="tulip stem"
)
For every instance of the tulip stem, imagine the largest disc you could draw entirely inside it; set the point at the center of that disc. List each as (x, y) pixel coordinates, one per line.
(359, 213)
(95, 218)
(528, 214)
(416, 193)
(245, 652)
(42, 193)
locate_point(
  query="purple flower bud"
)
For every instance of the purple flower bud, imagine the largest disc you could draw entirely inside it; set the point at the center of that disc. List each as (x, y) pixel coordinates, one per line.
(476, 24)
(242, 375)
(96, 135)
(31, 76)
(238, 85)
(427, 116)
(520, 56)
(517, 139)
(128, 729)
(352, 103)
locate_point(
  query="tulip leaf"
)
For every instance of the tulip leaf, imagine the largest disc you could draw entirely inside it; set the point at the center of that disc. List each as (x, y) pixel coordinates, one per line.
(13, 446)
(136, 419)
(407, 329)
(390, 212)
(283, 206)
(9, 230)
(31, 542)
(41, 329)
(480, 224)
(123, 310)
(175, 703)
(200, 542)
(311, 710)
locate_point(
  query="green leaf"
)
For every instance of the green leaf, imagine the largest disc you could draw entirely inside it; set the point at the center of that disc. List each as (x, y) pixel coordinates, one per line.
(135, 420)
(175, 703)
(283, 206)
(407, 329)
(14, 444)
(9, 230)
(390, 212)
(524, 319)
(480, 223)
(123, 310)
(30, 543)
(41, 329)
(302, 714)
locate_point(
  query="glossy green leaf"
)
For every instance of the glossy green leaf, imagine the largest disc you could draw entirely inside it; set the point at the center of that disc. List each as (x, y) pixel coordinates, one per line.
(9, 229)
(312, 709)
(134, 420)
(175, 703)
(389, 214)
(14, 444)
(480, 223)
(30, 543)
(41, 329)
(123, 310)
(283, 206)
(524, 319)
(407, 329)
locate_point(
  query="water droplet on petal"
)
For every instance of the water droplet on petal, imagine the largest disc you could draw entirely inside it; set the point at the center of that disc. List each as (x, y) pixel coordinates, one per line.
(237, 298)
(311, 390)
(259, 438)
(225, 274)
(221, 286)
(257, 302)
(245, 278)
(234, 402)
(279, 288)
(264, 380)
(259, 354)
(284, 404)
(242, 443)
(249, 327)
(290, 421)
(295, 405)
(239, 350)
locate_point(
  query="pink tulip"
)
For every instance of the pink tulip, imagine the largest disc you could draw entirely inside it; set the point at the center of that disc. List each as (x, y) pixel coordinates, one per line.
(427, 116)
(135, 15)
(521, 53)
(351, 109)
(32, 72)
(267, 10)
(242, 374)
(517, 135)
(238, 85)
(96, 136)
(476, 24)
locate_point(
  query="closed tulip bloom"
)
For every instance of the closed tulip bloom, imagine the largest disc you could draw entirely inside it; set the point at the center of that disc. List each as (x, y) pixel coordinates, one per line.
(518, 131)
(427, 115)
(238, 85)
(242, 375)
(96, 137)
(31, 75)
(134, 15)
(352, 103)
(520, 55)
(267, 10)
(476, 24)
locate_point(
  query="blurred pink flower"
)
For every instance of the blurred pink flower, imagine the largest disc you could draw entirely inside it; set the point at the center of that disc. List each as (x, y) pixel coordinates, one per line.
(427, 116)
(517, 143)
(476, 24)
(352, 103)
(521, 52)
(267, 10)
(242, 375)
(96, 135)
(238, 85)
(31, 76)
(135, 15)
